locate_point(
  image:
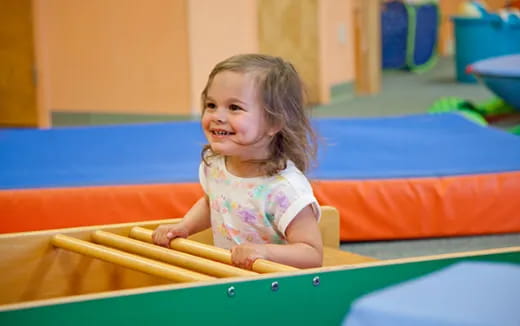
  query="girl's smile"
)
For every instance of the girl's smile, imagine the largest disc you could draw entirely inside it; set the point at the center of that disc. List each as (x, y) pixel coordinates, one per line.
(221, 133)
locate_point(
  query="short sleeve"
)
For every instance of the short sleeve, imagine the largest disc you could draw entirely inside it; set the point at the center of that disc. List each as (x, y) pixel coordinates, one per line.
(285, 203)
(202, 177)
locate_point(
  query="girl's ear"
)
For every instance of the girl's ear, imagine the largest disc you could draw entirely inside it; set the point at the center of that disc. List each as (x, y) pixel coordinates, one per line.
(274, 125)
(273, 130)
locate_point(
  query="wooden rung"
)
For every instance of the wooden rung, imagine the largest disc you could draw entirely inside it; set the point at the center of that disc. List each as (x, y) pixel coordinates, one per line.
(210, 252)
(135, 262)
(175, 257)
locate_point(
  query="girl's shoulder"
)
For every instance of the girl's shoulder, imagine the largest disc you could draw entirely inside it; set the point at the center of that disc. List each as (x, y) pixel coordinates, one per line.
(212, 166)
(292, 177)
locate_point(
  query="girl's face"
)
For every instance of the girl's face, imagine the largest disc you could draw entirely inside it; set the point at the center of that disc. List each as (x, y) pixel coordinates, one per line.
(233, 117)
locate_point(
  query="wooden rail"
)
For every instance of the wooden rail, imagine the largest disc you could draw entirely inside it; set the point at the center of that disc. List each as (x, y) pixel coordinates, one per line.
(210, 252)
(171, 256)
(131, 261)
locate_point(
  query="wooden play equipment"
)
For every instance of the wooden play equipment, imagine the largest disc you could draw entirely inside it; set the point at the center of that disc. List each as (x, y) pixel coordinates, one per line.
(103, 276)
(66, 262)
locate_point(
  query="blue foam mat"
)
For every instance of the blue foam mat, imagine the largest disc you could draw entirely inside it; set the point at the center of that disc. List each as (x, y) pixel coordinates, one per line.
(463, 294)
(366, 148)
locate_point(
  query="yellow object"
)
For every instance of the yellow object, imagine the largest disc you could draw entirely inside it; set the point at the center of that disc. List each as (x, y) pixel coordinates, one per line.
(134, 262)
(210, 252)
(174, 257)
(471, 8)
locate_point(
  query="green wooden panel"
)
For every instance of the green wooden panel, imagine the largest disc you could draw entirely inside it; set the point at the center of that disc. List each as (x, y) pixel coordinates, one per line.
(297, 301)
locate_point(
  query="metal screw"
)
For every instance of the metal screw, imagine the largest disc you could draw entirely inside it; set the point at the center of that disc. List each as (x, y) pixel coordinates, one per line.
(231, 291)
(274, 286)
(316, 281)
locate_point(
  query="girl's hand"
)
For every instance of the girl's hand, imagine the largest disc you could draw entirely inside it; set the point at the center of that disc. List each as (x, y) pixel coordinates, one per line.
(167, 232)
(244, 255)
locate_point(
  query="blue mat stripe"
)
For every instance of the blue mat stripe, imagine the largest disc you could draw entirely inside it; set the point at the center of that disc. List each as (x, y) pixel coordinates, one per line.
(368, 148)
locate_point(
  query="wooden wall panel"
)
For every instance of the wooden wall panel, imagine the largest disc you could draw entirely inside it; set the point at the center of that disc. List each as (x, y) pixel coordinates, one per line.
(367, 35)
(289, 29)
(17, 84)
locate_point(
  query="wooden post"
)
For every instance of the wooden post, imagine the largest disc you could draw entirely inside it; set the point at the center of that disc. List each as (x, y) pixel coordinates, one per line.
(367, 36)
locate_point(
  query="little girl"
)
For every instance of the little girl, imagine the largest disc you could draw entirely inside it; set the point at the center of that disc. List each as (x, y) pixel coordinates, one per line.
(257, 200)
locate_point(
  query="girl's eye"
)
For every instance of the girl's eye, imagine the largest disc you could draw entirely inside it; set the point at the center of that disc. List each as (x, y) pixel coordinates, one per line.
(234, 107)
(210, 105)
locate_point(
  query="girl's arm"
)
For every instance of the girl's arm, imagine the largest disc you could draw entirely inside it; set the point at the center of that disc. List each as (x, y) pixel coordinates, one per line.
(304, 250)
(196, 220)
(198, 217)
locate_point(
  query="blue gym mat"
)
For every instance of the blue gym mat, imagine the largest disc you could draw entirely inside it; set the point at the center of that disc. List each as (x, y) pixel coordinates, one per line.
(365, 148)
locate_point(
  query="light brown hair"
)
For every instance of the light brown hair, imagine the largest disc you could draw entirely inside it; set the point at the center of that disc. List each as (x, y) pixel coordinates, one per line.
(282, 95)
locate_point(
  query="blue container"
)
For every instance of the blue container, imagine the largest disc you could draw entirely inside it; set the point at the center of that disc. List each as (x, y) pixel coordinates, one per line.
(481, 38)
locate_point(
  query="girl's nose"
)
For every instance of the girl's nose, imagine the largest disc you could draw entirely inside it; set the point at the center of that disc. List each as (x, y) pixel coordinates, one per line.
(220, 115)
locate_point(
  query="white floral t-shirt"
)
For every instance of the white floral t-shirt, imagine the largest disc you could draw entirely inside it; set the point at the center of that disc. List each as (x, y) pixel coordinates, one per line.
(256, 210)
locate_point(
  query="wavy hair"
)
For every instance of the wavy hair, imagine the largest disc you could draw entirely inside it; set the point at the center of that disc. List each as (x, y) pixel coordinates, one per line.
(282, 94)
